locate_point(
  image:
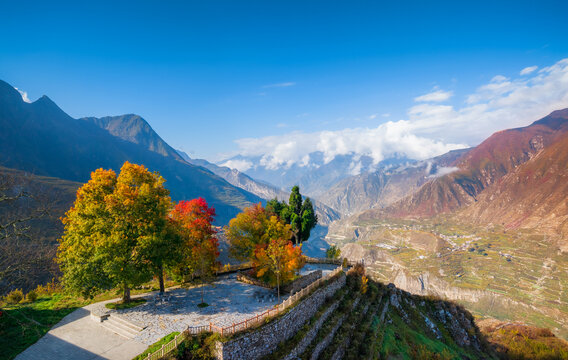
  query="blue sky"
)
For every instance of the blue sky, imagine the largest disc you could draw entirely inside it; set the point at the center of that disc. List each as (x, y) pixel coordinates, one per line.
(205, 74)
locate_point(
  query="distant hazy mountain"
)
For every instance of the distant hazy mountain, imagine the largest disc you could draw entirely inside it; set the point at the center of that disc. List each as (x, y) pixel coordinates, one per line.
(266, 191)
(316, 178)
(383, 187)
(42, 139)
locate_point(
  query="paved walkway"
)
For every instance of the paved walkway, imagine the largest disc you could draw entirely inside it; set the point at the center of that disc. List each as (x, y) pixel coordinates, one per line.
(77, 336)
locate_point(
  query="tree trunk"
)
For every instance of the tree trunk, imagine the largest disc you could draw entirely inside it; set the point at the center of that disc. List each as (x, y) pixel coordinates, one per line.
(161, 279)
(126, 295)
(202, 290)
(278, 286)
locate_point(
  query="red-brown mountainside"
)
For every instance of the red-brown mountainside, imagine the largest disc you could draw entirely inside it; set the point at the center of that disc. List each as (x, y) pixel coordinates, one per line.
(484, 167)
(535, 194)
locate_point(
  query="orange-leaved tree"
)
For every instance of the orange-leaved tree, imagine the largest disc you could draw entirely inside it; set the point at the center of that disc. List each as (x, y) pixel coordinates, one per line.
(200, 247)
(246, 231)
(277, 260)
(115, 233)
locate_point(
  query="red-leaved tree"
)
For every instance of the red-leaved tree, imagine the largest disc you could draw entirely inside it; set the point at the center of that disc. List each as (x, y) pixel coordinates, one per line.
(201, 247)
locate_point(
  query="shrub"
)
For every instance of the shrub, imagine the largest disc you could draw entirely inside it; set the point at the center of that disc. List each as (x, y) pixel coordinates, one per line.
(48, 289)
(15, 296)
(32, 296)
(333, 252)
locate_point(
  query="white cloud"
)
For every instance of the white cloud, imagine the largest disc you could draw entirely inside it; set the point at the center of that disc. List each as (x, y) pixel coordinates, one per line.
(372, 117)
(241, 165)
(430, 129)
(278, 85)
(434, 96)
(442, 170)
(24, 95)
(386, 115)
(528, 70)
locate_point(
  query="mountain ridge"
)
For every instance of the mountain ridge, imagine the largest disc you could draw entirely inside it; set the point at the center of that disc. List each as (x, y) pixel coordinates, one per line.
(41, 138)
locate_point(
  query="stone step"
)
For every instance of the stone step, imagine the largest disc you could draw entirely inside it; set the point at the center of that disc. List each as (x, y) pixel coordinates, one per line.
(119, 328)
(127, 323)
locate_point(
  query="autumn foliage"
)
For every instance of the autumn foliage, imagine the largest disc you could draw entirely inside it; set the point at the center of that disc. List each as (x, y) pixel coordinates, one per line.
(121, 231)
(260, 236)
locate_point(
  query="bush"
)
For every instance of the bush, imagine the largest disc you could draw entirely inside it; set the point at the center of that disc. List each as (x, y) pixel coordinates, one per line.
(333, 252)
(15, 296)
(48, 289)
(32, 296)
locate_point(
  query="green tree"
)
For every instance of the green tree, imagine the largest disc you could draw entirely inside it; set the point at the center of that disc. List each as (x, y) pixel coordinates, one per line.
(309, 219)
(300, 215)
(116, 231)
(333, 252)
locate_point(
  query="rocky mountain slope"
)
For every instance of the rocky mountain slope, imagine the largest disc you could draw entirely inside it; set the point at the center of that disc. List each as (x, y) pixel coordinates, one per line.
(135, 129)
(27, 247)
(482, 167)
(386, 185)
(532, 196)
(42, 139)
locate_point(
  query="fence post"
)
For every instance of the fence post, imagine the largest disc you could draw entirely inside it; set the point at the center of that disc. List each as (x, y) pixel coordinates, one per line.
(233, 328)
(162, 350)
(210, 327)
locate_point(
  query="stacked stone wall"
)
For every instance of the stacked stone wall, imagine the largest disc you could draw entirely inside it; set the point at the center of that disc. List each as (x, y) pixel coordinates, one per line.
(262, 341)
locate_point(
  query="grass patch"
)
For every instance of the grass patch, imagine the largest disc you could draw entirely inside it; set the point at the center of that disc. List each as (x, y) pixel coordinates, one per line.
(122, 305)
(199, 347)
(156, 346)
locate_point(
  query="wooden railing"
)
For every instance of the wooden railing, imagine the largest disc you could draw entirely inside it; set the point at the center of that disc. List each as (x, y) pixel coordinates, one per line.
(247, 323)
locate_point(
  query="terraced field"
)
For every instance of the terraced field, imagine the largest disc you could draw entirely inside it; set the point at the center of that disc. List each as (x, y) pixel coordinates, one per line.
(517, 275)
(384, 321)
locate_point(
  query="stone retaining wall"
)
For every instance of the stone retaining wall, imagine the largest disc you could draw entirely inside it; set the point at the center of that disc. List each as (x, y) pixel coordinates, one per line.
(327, 340)
(262, 341)
(302, 282)
(311, 334)
(252, 281)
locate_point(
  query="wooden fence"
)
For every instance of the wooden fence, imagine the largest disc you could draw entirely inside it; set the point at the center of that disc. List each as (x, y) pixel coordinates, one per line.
(247, 323)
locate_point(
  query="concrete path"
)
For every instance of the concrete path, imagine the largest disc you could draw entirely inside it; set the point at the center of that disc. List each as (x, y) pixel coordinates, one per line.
(77, 336)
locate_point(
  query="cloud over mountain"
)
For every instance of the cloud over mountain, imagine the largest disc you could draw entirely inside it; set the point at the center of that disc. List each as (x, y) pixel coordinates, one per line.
(432, 127)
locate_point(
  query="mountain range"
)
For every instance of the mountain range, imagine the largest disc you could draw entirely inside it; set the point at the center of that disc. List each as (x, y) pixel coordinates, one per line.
(42, 139)
(490, 234)
(316, 175)
(326, 214)
(516, 178)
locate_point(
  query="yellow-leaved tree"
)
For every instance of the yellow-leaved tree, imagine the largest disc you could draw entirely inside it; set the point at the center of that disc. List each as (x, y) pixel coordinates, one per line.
(116, 233)
(277, 260)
